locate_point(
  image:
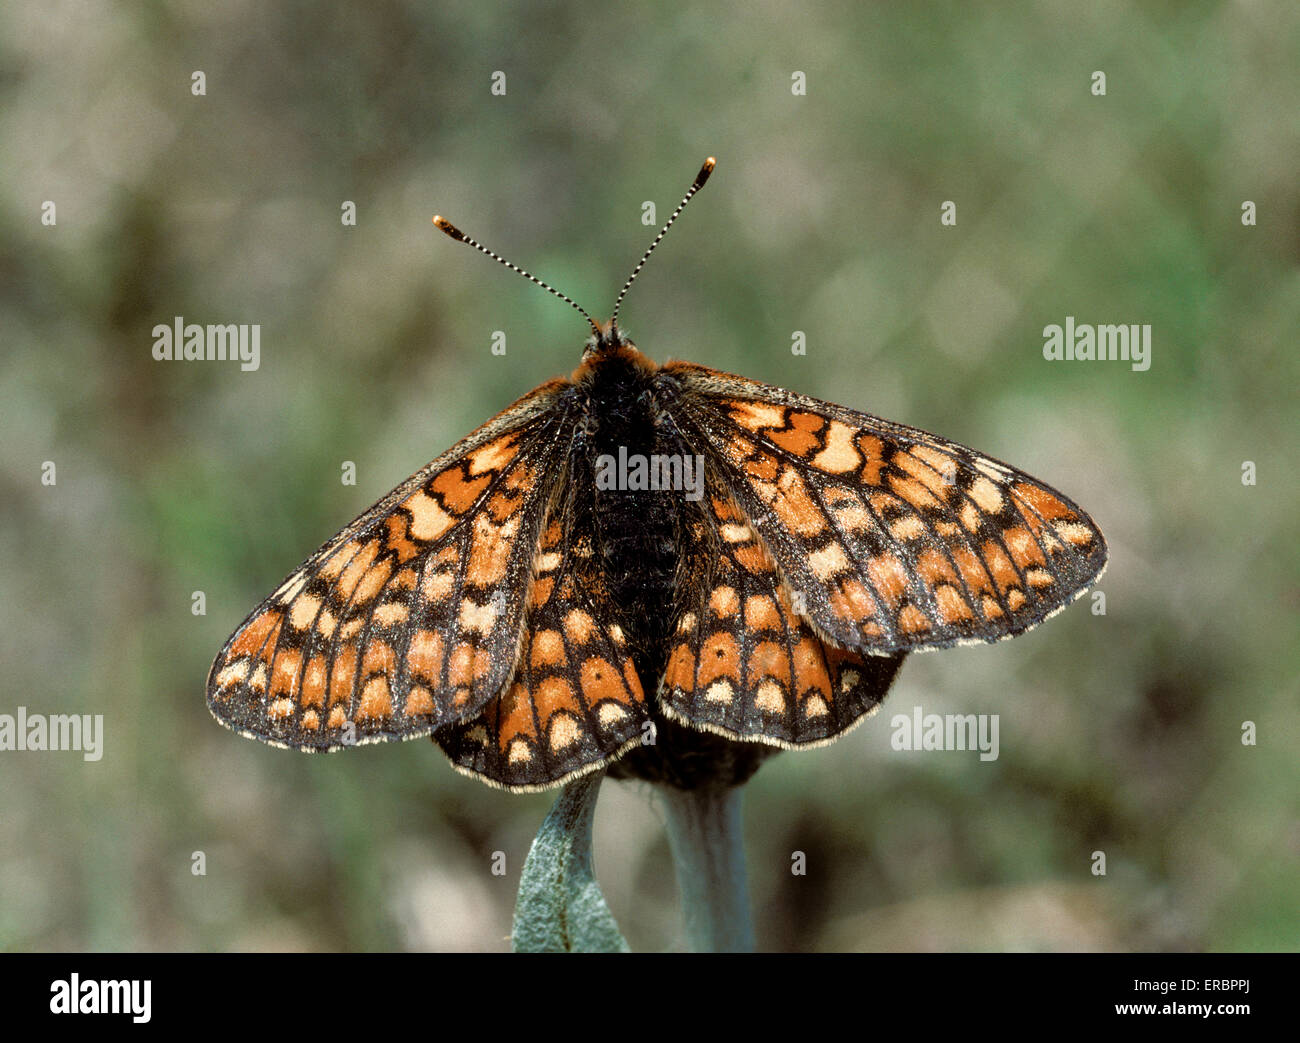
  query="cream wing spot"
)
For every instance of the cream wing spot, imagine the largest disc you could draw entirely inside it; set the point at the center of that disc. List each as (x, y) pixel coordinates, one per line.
(991, 470)
(908, 527)
(1074, 533)
(1021, 544)
(840, 455)
(564, 732)
(769, 697)
(303, 611)
(828, 562)
(610, 713)
(987, 496)
(438, 585)
(233, 673)
(723, 601)
(579, 625)
(392, 613)
(719, 692)
(477, 618)
(854, 518)
(428, 519)
(492, 457)
(756, 415)
(290, 587)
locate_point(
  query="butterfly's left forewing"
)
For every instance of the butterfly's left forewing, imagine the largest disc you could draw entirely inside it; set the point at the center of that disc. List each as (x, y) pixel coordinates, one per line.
(412, 616)
(895, 539)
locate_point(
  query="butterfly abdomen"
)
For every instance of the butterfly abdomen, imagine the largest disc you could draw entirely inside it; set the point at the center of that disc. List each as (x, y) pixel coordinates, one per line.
(635, 523)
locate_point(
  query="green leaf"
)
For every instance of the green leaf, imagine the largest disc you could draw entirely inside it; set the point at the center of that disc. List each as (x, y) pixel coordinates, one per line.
(560, 907)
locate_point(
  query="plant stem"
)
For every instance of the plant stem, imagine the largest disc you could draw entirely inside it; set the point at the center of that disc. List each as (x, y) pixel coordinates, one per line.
(705, 834)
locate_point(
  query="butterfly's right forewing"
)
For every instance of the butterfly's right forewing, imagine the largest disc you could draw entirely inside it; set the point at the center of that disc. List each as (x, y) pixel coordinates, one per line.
(412, 616)
(896, 539)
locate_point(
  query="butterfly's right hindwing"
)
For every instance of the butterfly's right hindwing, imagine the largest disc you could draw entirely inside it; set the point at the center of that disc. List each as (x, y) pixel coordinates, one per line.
(743, 662)
(412, 616)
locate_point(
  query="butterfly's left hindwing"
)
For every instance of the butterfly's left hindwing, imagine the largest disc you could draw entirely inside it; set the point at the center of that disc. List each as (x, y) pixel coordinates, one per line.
(412, 616)
(895, 539)
(575, 700)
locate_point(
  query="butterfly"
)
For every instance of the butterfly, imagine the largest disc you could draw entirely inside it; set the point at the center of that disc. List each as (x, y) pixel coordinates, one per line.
(668, 572)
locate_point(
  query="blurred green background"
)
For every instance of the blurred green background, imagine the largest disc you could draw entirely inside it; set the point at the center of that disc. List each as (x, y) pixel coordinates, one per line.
(1119, 733)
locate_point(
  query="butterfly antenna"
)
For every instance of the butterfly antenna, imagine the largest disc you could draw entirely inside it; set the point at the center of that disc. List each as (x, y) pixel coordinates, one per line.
(461, 237)
(700, 178)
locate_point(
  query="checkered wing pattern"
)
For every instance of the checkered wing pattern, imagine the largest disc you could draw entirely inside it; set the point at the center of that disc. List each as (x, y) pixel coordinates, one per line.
(575, 700)
(892, 538)
(412, 617)
(744, 662)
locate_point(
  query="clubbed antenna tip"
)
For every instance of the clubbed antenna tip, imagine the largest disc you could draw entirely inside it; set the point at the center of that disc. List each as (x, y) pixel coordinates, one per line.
(696, 185)
(449, 228)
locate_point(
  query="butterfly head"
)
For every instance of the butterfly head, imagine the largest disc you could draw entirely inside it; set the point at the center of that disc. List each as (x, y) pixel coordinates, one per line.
(606, 344)
(606, 340)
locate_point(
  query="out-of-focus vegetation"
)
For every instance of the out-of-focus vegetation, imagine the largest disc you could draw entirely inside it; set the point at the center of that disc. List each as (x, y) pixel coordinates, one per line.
(1119, 733)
